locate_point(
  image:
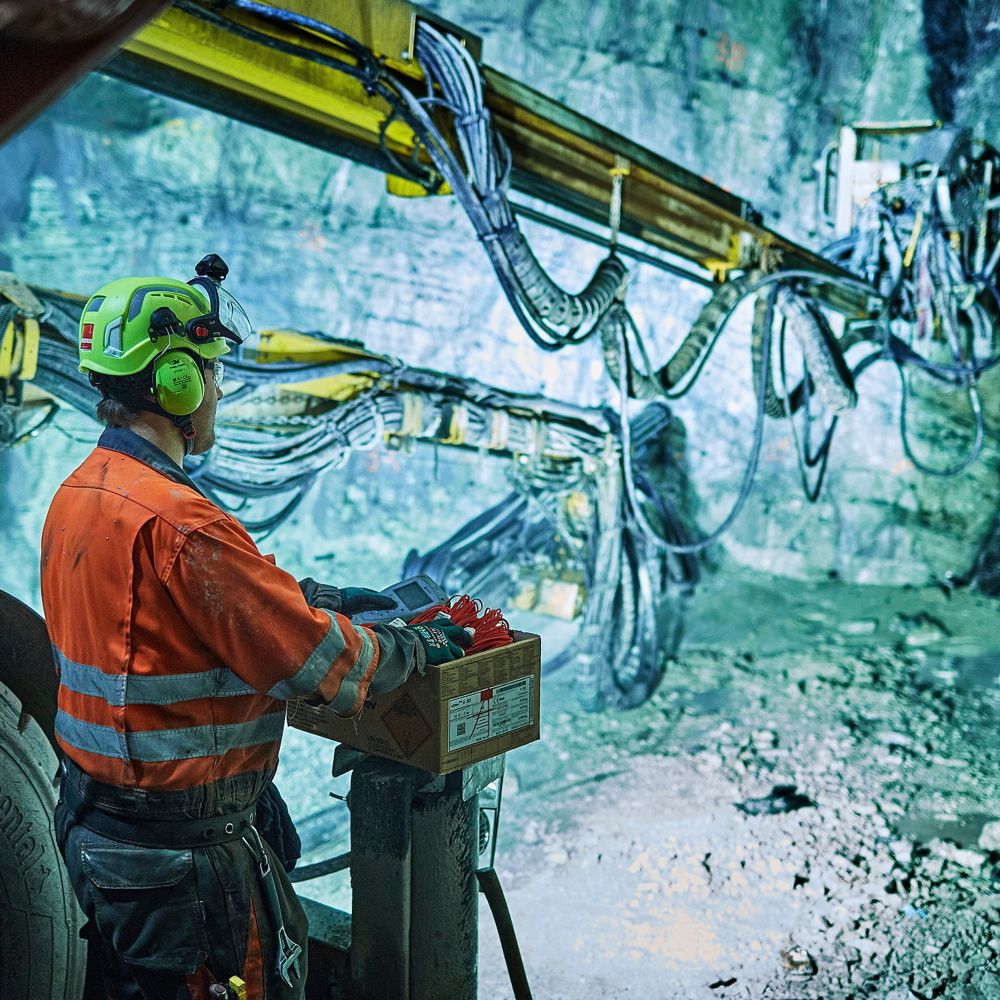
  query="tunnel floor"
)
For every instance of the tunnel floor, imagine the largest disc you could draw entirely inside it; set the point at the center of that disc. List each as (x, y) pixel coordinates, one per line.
(808, 807)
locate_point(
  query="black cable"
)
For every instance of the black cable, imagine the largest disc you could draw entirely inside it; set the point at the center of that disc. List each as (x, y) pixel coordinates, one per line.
(359, 51)
(802, 456)
(489, 886)
(751, 289)
(584, 234)
(338, 864)
(650, 533)
(269, 41)
(977, 446)
(39, 425)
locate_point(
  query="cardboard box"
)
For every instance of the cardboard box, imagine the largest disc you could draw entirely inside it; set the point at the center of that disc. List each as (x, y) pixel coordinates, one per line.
(452, 716)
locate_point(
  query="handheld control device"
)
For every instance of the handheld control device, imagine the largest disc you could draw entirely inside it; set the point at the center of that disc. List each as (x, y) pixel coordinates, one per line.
(410, 596)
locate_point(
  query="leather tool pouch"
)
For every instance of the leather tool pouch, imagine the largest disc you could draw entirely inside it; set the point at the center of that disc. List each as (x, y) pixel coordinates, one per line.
(145, 902)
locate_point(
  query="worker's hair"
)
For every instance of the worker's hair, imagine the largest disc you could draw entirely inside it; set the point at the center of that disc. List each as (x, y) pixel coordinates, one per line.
(114, 413)
(124, 396)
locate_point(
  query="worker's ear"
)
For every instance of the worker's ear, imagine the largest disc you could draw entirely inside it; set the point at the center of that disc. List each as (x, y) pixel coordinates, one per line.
(178, 383)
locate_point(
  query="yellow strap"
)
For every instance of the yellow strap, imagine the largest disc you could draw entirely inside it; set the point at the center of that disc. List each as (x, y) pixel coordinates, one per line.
(413, 415)
(29, 352)
(538, 437)
(499, 431)
(458, 426)
(7, 350)
(912, 248)
(14, 289)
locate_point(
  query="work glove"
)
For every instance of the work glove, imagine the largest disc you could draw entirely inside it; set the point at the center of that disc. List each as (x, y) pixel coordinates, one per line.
(442, 640)
(355, 600)
(347, 601)
(275, 825)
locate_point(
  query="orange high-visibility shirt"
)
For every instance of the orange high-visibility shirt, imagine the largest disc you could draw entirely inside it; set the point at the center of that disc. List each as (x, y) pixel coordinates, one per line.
(176, 641)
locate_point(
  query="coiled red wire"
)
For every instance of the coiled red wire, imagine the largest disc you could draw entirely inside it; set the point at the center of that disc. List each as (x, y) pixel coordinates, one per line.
(491, 628)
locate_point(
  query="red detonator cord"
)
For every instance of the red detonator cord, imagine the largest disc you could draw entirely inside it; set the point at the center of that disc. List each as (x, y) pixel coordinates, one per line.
(492, 629)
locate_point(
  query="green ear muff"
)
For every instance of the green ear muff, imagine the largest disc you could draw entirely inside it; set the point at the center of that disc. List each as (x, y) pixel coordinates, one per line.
(178, 383)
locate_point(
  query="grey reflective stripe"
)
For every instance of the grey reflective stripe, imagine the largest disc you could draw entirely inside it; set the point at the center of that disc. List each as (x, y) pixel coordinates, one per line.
(168, 690)
(84, 679)
(102, 740)
(135, 689)
(350, 686)
(204, 741)
(169, 744)
(310, 675)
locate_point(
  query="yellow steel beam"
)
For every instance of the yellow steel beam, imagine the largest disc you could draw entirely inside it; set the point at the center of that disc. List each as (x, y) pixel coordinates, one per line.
(557, 155)
(284, 83)
(275, 346)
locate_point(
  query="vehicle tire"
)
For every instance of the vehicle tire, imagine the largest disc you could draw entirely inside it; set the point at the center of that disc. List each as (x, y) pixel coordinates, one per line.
(42, 956)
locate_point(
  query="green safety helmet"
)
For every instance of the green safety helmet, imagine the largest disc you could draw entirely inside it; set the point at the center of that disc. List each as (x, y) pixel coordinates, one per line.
(133, 324)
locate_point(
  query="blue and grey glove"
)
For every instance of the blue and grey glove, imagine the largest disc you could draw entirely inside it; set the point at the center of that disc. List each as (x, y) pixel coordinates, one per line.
(275, 825)
(442, 640)
(347, 601)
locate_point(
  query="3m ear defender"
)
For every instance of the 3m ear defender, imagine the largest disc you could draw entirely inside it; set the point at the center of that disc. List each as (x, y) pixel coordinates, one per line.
(178, 383)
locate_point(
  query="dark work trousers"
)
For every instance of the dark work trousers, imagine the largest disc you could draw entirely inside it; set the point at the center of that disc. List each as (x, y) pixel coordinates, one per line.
(170, 922)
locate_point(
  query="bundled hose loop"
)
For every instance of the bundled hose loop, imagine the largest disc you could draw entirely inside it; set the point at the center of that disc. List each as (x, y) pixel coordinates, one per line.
(820, 350)
(657, 540)
(546, 299)
(552, 317)
(690, 357)
(822, 356)
(614, 328)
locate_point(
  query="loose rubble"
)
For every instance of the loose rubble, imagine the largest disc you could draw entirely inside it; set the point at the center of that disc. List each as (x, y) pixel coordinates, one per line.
(814, 824)
(784, 819)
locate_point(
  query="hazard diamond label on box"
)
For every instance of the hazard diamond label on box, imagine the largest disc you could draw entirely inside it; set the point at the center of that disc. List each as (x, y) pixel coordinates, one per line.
(493, 711)
(408, 727)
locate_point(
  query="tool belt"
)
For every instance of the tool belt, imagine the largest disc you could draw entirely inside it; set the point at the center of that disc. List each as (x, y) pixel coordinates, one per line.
(171, 833)
(190, 833)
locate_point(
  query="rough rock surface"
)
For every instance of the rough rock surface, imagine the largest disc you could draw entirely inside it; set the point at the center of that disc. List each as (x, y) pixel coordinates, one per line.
(808, 807)
(113, 180)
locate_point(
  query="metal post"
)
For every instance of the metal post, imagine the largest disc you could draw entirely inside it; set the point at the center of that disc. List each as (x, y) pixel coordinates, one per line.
(381, 796)
(847, 153)
(444, 901)
(415, 914)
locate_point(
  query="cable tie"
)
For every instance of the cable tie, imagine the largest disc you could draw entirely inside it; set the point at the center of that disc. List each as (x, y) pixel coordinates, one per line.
(496, 234)
(474, 117)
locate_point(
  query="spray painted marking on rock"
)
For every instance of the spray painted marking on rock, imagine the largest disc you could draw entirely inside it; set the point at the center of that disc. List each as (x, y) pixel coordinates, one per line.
(493, 711)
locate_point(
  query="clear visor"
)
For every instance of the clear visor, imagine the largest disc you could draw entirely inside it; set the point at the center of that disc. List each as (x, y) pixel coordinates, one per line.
(233, 316)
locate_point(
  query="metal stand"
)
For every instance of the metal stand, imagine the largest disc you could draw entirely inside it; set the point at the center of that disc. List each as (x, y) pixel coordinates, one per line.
(414, 847)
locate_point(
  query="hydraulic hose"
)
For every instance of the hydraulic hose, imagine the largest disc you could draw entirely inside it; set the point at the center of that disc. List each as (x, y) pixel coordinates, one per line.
(649, 532)
(546, 298)
(823, 358)
(701, 338)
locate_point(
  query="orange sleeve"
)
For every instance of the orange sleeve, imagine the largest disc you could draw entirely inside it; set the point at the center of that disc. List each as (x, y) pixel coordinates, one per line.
(253, 616)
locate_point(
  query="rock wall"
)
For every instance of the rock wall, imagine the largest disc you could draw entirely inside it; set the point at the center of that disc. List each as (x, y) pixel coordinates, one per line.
(114, 181)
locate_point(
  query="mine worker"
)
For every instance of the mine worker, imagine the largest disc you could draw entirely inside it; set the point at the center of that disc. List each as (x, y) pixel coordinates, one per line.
(177, 645)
